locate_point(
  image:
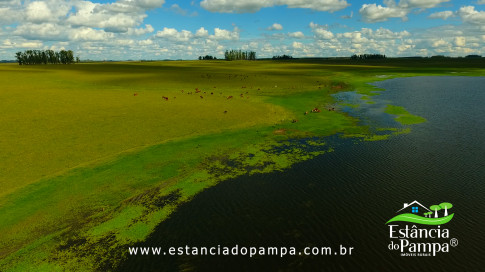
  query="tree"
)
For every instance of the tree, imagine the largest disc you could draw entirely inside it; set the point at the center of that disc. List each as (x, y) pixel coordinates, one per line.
(239, 55)
(446, 206)
(435, 208)
(30, 57)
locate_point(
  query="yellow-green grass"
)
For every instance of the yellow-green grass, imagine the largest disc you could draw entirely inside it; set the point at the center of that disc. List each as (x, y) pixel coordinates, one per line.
(88, 167)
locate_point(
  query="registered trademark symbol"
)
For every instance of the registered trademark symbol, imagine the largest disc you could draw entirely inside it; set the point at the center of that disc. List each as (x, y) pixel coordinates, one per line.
(454, 242)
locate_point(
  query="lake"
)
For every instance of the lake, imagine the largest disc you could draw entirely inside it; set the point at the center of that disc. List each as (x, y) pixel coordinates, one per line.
(346, 197)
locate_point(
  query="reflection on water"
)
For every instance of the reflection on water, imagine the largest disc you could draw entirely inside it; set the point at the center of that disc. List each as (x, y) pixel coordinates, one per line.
(345, 197)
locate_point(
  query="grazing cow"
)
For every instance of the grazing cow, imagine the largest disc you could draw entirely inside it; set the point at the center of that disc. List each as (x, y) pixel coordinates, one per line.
(294, 120)
(212, 93)
(135, 94)
(165, 98)
(229, 97)
(201, 97)
(197, 90)
(241, 95)
(182, 91)
(316, 110)
(225, 111)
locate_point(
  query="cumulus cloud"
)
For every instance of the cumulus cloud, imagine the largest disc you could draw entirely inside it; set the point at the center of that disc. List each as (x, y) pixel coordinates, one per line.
(116, 17)
(297, 35)
(249, 6)
(442, 15)
(459, 41)
(275, 26)
(185, 35)
(202, 32)
(174, 35)
(470, 15)
(378, 13)
(421, 3)
(321, 31)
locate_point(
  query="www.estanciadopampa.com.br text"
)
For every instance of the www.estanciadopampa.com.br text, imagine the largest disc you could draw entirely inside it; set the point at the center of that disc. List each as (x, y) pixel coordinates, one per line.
(241, 251)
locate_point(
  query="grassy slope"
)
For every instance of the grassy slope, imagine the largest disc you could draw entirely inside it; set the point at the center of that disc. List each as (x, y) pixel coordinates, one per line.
(88, 164)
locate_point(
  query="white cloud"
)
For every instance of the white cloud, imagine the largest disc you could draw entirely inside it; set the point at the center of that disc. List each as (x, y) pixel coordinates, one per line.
(421, 3)
(470, 15)
(297, 45)
(44, 31)
(174, 35)
(113, 17)
(38, 12)
(297, 35)
(31, 44)
(177, 9)
(243, 6)
(442, 15)
(89, 34)
(321, 31)
(439, 43)
(222, 34)
(459, 41)
(481, 2)
(275, 26)
(202, 32)
(378, 13)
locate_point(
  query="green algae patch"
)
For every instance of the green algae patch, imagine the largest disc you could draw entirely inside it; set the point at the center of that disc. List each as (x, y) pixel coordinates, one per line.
(403, 116)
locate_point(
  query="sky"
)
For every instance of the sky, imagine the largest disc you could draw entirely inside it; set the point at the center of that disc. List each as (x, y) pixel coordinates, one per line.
(169, 29)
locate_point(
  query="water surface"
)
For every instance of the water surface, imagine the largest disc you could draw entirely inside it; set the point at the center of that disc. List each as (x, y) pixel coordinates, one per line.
(345, 197)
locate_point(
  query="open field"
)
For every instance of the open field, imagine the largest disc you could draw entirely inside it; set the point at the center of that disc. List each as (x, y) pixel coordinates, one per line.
(94, 156)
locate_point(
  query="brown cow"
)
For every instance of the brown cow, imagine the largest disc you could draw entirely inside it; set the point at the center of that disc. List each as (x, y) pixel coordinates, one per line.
(165, 98)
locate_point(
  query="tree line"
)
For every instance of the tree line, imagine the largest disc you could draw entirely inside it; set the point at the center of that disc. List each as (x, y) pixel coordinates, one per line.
(283, 57)
(207, 57)
(368, 56)
(31, 57)
(239, 55)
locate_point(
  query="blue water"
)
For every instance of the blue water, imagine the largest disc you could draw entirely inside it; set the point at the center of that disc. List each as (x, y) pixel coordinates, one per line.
(345, 197)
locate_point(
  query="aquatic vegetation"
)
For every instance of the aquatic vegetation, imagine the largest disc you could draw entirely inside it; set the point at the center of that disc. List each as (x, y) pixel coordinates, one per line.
(403, 116)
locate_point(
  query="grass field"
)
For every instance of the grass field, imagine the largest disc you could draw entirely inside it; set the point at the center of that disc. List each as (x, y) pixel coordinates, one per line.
(95, 155)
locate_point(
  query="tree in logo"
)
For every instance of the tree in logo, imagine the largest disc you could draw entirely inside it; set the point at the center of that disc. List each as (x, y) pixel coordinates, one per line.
(446, 206)
(435, 208)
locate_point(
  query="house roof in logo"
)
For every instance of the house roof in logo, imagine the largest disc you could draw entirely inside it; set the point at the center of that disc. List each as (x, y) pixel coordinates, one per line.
(406, 205)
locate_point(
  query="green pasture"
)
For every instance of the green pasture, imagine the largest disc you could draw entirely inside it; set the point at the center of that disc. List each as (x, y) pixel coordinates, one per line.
(93, 156)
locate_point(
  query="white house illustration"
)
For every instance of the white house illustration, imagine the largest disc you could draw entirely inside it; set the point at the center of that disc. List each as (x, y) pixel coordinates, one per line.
(414, 207)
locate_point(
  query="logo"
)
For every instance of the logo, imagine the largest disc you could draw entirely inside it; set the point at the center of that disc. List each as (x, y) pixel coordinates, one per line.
(431, 215)
(417, 230)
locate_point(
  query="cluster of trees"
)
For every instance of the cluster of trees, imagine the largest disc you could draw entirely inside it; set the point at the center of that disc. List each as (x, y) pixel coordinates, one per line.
(284, 57)
(368, 56)
(473, 56)
(443, 206)
(207, 57)
(30, 57)
(239, 55)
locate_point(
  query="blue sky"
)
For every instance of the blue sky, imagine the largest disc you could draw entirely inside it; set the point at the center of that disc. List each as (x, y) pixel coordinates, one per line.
(168, 29)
